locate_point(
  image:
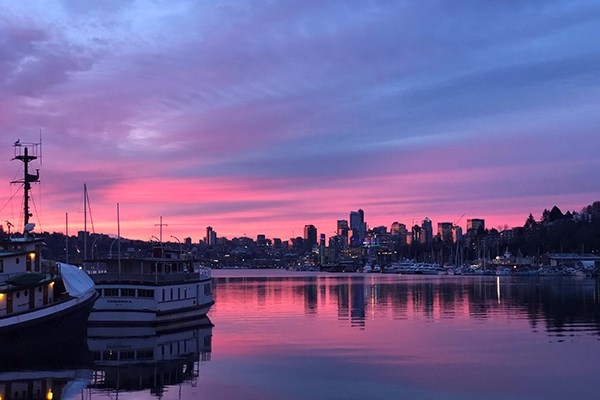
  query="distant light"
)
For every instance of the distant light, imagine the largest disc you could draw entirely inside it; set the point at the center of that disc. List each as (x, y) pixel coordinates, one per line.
(50, 395)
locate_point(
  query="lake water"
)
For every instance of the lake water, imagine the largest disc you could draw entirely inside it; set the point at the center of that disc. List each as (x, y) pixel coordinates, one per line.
(294, 335)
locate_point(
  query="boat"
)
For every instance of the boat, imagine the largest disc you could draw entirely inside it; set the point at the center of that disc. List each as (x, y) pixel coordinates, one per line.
(38, 298)
(163, 288)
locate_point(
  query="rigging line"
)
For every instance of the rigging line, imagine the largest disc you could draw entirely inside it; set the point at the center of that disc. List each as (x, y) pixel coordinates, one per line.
(89, 206)
(36, 214)
(11, 197)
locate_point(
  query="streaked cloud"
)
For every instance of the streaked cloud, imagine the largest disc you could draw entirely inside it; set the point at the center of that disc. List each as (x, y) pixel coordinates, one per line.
(260, 117)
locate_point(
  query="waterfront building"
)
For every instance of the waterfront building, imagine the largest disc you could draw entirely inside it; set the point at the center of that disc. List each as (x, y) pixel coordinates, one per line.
(445, 232)
(426, 232)
(358, 227)
(475, 226)
(456, 234)
(417, 234)
(310, 236)
(211, 236)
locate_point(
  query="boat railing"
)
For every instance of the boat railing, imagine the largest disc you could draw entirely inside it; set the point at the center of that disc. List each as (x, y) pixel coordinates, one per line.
(146, 278)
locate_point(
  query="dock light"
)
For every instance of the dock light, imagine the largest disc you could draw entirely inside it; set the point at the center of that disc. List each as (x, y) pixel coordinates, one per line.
(1, 298)
(49, 395)
(51, 284)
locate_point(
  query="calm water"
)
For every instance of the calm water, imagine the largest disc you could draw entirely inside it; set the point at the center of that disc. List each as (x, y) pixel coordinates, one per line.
(290, 335)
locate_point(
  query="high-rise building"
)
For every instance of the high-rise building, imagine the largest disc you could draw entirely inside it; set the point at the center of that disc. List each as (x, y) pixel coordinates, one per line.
(427, 232)
(358, 226)
(475, 226)
(342, 227)
(211, 236)
(261, 240)
(416, 234)
(456, 234)
(445, 231)
(310, 236)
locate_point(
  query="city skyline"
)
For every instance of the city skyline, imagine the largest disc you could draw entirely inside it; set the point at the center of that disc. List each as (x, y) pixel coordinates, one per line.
(263, 118)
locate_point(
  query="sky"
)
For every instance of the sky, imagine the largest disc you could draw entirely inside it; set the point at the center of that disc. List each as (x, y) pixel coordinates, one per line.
(259, 117)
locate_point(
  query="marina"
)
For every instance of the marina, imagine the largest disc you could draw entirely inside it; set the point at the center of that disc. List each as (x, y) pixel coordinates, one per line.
(297, 335)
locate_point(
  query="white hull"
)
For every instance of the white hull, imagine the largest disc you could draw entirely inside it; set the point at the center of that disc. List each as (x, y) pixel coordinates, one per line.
(130, 304)
(43, 315)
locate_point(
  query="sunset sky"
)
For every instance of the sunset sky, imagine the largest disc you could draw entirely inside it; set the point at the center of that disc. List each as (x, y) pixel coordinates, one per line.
(261, 117)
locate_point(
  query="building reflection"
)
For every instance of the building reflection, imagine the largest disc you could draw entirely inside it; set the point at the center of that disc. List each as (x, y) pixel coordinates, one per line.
(130, 359)
(560, 304)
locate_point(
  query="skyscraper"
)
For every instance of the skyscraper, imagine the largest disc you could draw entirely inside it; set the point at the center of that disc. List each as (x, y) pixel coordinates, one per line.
(445, 231)
(211, 236)
(358, 226)
(310, 236)
(427, 232)
(475, 226)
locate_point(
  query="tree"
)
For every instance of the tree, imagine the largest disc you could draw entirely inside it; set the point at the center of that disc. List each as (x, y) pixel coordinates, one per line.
(545, 216)
(555, 214)
(530, 223)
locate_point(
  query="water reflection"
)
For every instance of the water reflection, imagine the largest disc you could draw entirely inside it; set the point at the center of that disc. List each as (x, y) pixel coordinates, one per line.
(105, 361)
(563, 306)
(130, 359)
(56, 367)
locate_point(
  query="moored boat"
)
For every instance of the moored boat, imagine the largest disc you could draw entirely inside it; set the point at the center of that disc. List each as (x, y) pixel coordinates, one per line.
(164, 288)
(38, 296)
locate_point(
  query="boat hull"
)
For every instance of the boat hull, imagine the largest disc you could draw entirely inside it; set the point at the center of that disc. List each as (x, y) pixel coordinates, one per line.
(122, 303)
(133, 317)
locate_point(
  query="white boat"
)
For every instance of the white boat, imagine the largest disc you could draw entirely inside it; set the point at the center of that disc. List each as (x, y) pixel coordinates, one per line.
(162, 289)
(36, 296)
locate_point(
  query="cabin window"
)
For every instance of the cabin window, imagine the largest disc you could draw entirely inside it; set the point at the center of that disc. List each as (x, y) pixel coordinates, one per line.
(179, 293)
(26, 293)
(127, 355)
(127, 292)
(111, 292)
(1, 265)
(145, 355)
(185, 293)
(148, 294)
(18, 294)
(207, 289)
(18, 260)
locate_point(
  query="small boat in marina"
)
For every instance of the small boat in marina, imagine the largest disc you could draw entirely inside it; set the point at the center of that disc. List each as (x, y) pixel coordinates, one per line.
(165, 288)
(37, 296)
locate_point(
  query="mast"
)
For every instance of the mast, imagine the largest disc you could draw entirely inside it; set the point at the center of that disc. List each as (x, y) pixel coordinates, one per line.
(84, 221)
(28, 178)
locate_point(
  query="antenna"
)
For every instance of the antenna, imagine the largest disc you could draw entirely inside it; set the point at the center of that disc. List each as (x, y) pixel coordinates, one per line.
(41, 146)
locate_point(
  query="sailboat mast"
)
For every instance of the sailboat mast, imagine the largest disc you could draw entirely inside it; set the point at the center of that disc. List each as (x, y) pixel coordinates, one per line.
(84, 221)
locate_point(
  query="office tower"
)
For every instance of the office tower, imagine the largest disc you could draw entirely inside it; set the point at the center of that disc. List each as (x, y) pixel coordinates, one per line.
(358, 226)
(342, 227)
(475, 226)
(310, 236)
(211, 236)
(427, 232)
(457, 234)
(445, 231)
